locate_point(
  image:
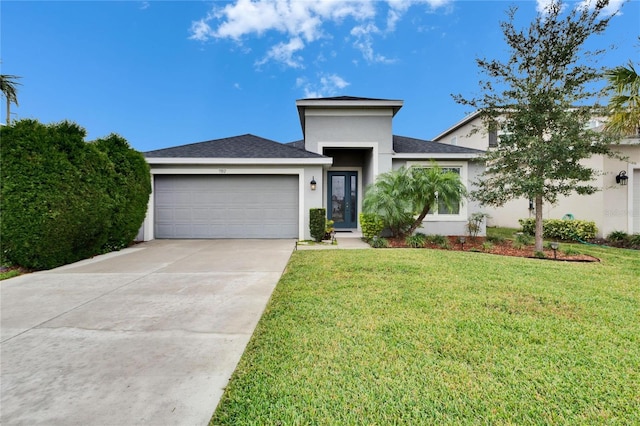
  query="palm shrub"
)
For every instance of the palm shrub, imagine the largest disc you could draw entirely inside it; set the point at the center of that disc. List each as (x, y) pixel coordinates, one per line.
(403, 198)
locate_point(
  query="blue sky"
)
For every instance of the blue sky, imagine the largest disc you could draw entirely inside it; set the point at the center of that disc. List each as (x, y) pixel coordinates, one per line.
(166, 73)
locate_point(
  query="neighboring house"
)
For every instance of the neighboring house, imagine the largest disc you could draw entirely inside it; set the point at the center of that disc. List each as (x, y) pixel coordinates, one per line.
(615, 208)
(251, 187)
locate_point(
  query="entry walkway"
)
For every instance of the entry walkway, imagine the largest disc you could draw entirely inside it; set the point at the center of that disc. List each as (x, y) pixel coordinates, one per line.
(345, 241)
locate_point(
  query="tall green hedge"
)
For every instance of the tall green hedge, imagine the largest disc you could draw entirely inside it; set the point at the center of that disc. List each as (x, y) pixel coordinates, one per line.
(317, 223)
(59, 194)
(129, 190)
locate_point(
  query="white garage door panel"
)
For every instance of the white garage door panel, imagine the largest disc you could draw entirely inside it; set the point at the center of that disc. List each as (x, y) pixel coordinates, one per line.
(231, 206)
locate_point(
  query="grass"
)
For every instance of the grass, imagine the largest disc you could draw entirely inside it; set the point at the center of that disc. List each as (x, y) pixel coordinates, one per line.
(9, 274)
(504, 233)
(443, 337)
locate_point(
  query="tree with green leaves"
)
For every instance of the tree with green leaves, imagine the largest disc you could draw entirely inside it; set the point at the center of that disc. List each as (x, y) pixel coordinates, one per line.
(404, 197)
(8, 88)
(532, 100)
(624, 105)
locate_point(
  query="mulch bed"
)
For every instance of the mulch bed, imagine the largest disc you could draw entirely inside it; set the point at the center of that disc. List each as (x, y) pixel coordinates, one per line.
(504, 248)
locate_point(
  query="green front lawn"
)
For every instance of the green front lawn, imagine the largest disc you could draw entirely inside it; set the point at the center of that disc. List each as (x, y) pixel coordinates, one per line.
(505, 233)
(442, 337)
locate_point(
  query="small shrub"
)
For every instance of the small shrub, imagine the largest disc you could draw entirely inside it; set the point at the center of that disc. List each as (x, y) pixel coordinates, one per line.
(328, 229)
(524, 239)
(487, 246)
(496, 239)
(558, 229)
(439, 240)
(474, 224)
(634, 240)
(371, 224)
(379, 242)
(517, 244)
(618, 236)
(416, 241)
(540, 255)
(317, 223)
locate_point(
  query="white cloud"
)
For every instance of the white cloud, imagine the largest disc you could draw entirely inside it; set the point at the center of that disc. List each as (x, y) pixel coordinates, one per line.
(284, 52)
(614, 5)
(327, 85)
(363, 35)
(302, 19)
(302, 22)
(144, 5)
(200, 30)
(542, 6)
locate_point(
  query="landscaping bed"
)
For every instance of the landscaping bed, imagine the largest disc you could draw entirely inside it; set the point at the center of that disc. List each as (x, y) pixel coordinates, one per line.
(503, 248)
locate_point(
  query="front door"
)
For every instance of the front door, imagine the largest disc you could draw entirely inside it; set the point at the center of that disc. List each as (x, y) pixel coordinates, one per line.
(342, 203)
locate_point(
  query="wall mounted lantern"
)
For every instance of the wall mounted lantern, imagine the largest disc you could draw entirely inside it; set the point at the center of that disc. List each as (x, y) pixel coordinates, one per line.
(313, 183)
(622, 178)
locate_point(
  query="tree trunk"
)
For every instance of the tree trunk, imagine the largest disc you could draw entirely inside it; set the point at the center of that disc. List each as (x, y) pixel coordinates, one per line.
(417, 222)
(8, 111)
(539, 229)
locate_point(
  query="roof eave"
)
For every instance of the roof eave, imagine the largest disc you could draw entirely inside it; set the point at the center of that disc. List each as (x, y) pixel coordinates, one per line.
(437, 156)
(238, 161)
(469, 118)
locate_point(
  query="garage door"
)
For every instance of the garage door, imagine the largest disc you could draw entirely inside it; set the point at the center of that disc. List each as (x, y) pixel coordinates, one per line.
(227, 206)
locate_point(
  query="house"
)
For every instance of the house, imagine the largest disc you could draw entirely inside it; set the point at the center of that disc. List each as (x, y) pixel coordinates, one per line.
(250, 187)
(615, 208)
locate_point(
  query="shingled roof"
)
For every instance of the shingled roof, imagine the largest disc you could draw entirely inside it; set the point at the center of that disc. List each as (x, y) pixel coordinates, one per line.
(405, 145)
(244, 146)
(344, 98)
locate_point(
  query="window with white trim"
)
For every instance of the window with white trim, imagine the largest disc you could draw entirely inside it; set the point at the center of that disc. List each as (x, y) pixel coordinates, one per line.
(442, 208)
(459, 212)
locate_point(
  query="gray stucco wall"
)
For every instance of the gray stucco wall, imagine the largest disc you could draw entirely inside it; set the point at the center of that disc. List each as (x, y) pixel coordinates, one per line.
(336, 126)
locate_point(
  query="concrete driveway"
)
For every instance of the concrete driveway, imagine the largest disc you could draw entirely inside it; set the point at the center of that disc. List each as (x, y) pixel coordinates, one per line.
(147, 335)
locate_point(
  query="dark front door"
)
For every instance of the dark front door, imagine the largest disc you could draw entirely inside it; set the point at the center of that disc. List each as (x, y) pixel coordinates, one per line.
(342, 205)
